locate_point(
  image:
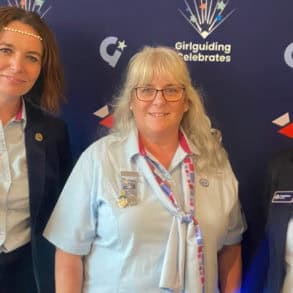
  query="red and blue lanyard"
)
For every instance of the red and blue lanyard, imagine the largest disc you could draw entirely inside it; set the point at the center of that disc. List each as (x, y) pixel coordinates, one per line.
(163, 183)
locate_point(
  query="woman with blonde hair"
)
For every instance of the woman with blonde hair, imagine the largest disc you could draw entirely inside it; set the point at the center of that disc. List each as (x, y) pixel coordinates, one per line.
(159, 210)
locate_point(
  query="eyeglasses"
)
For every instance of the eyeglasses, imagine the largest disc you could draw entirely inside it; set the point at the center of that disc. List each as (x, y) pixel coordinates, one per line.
(148, 94)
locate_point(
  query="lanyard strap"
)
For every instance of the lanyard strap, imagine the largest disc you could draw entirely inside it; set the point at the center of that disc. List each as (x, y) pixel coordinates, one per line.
(189, 217)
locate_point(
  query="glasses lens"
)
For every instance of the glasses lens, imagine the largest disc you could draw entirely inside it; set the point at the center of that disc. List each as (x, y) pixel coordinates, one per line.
(172, 93)
(145, 93)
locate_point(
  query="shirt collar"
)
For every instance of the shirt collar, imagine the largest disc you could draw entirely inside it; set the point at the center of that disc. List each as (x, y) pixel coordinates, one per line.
(184, 149)
(187, 146)
(132, 146)
(20, 115)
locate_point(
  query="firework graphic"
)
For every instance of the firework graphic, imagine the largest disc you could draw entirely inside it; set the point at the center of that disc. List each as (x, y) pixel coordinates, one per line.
(31, 5)
(206, 15)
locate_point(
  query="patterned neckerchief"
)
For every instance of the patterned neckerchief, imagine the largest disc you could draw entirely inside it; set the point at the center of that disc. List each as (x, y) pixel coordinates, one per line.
(188, 217)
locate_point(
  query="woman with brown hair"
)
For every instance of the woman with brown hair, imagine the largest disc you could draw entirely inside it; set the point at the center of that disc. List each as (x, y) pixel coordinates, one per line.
(35, 155)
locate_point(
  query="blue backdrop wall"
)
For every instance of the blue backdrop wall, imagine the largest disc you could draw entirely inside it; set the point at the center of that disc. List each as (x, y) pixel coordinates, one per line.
(240, 54)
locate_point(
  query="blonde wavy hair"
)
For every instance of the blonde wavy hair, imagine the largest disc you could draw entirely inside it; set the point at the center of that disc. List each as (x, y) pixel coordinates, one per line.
(156, 61)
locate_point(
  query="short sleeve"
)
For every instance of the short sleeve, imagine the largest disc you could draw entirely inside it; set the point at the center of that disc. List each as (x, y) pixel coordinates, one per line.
(72, 224)
(237, 223)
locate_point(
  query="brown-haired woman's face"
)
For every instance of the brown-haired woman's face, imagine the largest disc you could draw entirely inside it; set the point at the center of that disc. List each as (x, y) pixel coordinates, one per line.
(21, 54)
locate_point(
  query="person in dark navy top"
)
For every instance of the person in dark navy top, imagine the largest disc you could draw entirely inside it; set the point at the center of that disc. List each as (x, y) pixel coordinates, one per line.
(35, 156)
(279, 227)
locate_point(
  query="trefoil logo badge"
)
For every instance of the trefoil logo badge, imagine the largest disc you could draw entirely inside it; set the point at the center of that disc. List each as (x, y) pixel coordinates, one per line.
(31, 5)
(206, 15)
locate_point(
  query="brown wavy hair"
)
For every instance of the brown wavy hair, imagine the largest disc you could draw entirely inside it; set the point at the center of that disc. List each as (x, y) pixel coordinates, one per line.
(48, 91)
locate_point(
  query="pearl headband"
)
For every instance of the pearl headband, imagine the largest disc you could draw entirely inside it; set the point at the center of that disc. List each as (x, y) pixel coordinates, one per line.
(22, 32)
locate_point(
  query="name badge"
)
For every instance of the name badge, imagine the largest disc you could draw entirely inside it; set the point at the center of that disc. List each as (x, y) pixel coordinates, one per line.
(283, 197)
(128, 189)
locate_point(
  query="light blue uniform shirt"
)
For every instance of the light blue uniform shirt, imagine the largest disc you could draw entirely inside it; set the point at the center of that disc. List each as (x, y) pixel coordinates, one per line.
(14, 192)
(125, 248)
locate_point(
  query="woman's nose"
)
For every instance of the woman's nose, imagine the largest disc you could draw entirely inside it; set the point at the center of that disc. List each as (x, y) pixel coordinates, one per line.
(16, 63)
(159, 98)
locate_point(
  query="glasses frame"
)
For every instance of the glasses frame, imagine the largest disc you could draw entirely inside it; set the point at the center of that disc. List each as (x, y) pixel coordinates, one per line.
(159, 90)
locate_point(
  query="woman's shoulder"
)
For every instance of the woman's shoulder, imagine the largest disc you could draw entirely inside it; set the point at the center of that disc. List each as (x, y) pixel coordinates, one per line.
(36, 114)
(105, 145)
(282, 157)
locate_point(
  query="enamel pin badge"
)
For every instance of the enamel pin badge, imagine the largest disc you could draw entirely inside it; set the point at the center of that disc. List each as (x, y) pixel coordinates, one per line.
(204, 182)
(39, 136)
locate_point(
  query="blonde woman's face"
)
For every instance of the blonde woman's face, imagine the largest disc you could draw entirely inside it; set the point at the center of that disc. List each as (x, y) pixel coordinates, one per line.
(20, 59)
(159, 117)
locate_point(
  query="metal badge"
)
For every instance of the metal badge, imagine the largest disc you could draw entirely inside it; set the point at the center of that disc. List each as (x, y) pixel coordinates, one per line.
(39, 136)
(204, 182)
(122, 202)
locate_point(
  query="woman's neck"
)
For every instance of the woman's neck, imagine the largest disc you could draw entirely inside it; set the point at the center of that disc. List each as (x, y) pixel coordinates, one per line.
(162, 149)
(8, 108)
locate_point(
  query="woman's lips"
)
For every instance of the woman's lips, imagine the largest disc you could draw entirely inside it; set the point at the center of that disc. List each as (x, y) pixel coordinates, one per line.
(157, 115)
(13, 79)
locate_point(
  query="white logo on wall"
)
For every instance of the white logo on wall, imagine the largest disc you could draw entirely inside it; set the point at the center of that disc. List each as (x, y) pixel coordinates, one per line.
(288, 55)
(111, 49)
(31, 5)
(205, 16)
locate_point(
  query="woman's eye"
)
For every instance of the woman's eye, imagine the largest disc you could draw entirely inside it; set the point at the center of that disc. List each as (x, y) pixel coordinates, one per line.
(148, 90)
(5, 50)
(171, 90)
(33, 59)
